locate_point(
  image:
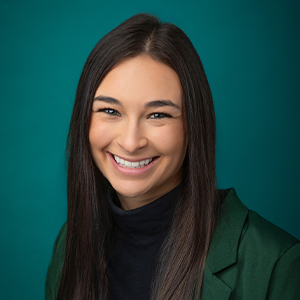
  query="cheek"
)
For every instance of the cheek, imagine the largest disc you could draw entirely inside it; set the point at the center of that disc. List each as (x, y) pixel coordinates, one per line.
(171, 140)
(98, 136)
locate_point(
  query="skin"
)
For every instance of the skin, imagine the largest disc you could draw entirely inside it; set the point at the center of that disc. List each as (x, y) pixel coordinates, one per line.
(138, 114)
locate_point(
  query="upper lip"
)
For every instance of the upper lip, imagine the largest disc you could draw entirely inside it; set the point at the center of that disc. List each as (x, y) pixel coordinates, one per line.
(133, 160)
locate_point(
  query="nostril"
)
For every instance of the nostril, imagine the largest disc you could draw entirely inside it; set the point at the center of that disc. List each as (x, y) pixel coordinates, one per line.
(132, 144)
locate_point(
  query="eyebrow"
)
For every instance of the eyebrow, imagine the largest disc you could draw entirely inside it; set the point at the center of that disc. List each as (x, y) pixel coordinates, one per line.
(109, 100)
(154, 103)
(160, 103)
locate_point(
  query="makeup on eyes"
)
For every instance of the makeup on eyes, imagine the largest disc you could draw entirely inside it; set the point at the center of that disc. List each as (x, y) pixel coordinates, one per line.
(153, 115)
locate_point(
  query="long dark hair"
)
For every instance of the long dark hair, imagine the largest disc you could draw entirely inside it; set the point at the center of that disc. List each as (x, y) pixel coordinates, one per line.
(89, 226)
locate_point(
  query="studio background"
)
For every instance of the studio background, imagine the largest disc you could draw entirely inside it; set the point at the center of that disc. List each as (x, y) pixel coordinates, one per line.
(250, 51)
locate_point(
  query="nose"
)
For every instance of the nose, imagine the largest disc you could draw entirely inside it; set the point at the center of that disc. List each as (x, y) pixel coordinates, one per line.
(132, 137)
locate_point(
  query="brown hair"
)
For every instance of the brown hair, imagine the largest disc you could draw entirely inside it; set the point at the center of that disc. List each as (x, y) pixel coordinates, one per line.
(90, 227)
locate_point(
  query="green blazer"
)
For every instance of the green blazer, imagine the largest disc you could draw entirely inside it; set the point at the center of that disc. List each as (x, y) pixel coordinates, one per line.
(249, 259)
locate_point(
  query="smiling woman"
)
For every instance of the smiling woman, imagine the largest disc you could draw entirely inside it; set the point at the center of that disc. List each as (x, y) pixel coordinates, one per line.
(145, 219)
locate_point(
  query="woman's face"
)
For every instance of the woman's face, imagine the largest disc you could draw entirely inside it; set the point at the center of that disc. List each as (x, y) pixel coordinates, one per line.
(137, 132)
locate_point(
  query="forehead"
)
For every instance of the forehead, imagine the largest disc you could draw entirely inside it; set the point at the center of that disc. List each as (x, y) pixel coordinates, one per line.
(143, 78)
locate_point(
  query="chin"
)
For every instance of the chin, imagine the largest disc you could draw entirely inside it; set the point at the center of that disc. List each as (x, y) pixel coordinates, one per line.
(130, 193)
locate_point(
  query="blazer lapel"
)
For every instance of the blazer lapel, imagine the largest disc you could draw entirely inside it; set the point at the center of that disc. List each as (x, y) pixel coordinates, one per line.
(213, 287)
(224, 247)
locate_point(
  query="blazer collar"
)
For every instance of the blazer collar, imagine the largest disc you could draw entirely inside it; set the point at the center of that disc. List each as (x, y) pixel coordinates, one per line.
(224, 246)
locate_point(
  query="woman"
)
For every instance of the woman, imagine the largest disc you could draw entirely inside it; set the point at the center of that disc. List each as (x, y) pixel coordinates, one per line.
(145, 220)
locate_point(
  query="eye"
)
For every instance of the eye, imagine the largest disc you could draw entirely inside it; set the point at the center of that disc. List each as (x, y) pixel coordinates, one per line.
(110, 111)
(159, 116)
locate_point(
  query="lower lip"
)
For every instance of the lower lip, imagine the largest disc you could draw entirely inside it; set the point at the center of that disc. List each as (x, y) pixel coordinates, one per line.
(132, 171)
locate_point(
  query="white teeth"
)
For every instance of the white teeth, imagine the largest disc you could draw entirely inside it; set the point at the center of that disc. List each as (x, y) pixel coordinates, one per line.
(133, 165)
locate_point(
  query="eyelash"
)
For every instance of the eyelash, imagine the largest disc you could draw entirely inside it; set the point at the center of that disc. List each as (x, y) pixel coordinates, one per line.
(110, 111)
(158, 115)
(155, 115)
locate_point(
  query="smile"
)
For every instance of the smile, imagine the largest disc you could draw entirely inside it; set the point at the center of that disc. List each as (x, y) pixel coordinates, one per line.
(132, 164)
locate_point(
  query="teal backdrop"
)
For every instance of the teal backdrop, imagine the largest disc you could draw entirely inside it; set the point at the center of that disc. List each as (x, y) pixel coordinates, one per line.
(250, 51)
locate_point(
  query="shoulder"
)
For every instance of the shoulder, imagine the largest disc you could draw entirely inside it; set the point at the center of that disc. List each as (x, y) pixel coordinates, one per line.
(56, 265)
(272, 256)
(265, 238)
(59, 244)
(247, 250)
(258, 234)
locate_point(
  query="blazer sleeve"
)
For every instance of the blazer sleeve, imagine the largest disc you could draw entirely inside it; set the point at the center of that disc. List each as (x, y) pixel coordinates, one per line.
(55, 266)
(285, 278)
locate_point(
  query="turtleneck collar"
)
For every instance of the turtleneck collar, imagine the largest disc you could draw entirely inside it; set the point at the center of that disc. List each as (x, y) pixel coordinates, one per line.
(139, 235)
(148, 220)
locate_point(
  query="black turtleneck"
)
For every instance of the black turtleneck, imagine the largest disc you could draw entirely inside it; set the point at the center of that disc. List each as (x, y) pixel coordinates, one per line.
(139, 236)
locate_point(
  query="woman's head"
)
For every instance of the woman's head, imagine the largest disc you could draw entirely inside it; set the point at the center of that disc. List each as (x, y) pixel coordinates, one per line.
(165, 43)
